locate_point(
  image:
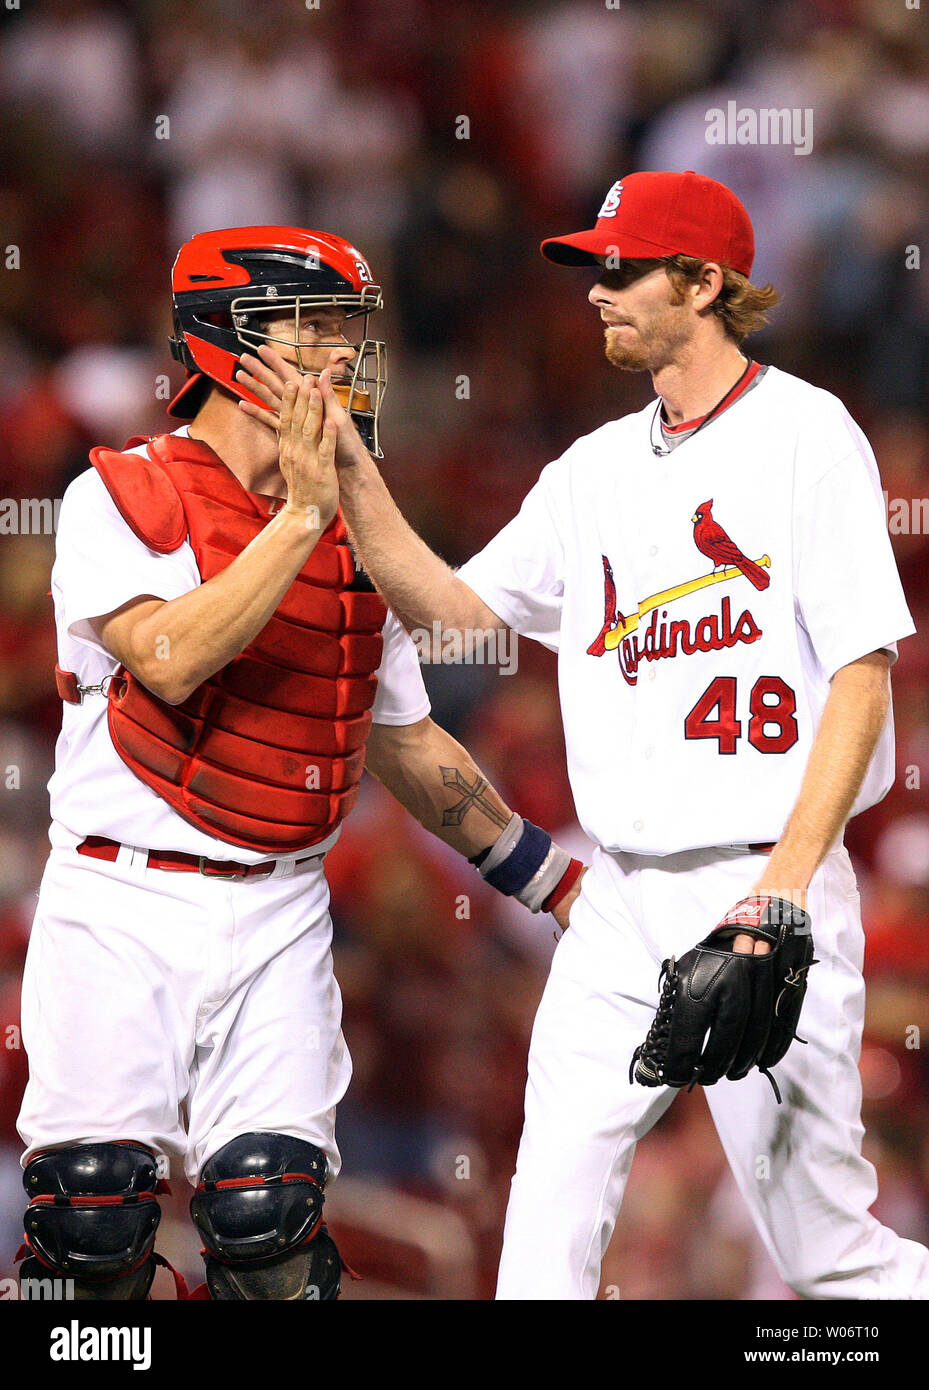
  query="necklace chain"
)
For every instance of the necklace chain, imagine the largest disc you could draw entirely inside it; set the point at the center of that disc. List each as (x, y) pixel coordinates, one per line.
(706, 419)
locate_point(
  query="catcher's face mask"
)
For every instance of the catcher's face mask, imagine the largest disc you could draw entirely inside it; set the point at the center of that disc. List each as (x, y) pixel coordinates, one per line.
(316, 331)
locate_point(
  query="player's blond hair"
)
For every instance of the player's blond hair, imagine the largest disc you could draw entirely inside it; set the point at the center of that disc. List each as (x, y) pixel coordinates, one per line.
(741, 306)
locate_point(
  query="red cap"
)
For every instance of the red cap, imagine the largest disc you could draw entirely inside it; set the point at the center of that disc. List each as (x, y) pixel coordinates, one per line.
(650, 215)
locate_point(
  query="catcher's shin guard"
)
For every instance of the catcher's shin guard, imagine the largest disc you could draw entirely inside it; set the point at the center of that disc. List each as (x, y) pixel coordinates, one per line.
(92, 1218)
(259, 1210)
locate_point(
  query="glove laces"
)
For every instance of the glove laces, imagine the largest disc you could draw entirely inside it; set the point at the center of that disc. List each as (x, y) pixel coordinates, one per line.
(649, 1056)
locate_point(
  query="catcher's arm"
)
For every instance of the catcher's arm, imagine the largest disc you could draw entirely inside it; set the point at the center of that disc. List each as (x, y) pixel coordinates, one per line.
(437, 781)
(853, 717)
(173, 646)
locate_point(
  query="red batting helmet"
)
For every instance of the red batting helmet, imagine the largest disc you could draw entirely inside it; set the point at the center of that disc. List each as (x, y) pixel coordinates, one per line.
(227, 283)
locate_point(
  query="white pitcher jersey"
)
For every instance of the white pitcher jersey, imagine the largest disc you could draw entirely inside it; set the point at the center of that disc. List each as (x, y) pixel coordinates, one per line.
(700, 602)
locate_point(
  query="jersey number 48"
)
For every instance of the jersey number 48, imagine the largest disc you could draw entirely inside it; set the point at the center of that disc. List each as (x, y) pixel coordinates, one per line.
(772, 705)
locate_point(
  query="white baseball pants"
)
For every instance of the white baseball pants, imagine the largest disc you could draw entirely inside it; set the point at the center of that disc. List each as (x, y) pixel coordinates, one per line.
(798, 1165)
(179, 1010)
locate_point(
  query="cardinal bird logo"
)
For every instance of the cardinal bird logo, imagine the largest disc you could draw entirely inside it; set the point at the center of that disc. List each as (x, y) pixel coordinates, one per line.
(711, 540)
(612, 617)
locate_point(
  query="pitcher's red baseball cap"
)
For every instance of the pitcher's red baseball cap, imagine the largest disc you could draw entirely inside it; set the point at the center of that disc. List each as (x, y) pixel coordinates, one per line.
(649, 215)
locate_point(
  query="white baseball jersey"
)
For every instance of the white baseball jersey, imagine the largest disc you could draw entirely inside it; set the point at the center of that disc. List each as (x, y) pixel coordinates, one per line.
(101, 564)
(692, 679)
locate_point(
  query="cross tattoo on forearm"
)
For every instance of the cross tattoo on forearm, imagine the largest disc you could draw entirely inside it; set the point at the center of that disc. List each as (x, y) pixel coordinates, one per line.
(472, 795)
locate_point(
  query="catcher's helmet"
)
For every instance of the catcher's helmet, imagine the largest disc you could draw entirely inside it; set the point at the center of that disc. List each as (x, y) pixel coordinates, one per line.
(227, 283)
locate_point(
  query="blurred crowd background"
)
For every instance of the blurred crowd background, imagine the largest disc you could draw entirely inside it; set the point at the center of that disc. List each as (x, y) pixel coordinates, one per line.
(346, 117)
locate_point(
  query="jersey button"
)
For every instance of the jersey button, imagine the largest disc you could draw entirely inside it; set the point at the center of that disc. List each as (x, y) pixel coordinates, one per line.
(649, 752)
(639, 825)
(653, 550)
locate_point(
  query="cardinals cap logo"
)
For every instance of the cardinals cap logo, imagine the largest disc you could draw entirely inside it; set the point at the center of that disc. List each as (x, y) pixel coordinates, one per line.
(611, 201)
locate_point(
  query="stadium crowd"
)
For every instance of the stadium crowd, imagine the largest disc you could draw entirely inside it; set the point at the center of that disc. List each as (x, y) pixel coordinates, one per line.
(446, 139)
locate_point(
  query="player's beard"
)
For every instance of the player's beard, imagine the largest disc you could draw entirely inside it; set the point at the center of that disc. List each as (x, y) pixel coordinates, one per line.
(627, 356)
(648, 349)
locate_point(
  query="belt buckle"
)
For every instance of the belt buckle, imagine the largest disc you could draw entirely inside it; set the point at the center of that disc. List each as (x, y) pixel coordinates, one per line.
(214, 873)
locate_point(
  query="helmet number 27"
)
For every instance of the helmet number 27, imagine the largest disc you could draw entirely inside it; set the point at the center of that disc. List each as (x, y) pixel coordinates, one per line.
(772, 705)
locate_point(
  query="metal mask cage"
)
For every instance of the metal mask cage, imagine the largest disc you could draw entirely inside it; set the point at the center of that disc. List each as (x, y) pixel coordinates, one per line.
(363, 394)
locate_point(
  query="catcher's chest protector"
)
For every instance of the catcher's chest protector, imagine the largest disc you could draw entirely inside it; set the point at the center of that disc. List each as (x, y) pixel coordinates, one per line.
(268, 752)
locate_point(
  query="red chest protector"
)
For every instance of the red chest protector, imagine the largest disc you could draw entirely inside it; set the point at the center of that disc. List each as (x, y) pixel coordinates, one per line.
(268, 752)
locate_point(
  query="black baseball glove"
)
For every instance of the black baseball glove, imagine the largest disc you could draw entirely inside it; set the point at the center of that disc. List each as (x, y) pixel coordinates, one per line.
(723, 1012)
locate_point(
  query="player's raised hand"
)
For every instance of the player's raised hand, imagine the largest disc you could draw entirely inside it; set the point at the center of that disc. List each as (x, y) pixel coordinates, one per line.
(307, 454)
(265, 375)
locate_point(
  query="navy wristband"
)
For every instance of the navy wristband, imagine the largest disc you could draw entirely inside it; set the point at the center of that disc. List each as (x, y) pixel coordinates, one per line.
(522, 863)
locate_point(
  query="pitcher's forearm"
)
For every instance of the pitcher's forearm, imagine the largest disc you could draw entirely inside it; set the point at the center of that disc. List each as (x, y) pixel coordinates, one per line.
(419, 586)
(852, 721)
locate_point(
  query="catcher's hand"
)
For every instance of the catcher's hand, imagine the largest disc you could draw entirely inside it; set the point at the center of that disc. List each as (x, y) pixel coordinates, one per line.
(722, 1011)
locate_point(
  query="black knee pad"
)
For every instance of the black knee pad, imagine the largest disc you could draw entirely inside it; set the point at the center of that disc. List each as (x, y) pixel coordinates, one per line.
(92, 1217)
(259, 1209)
